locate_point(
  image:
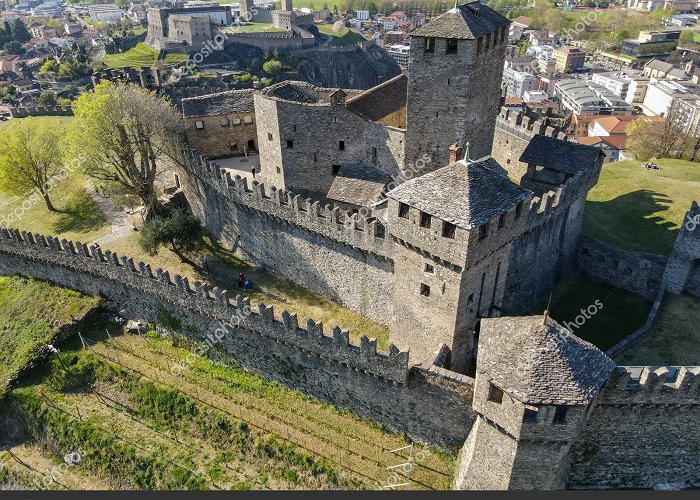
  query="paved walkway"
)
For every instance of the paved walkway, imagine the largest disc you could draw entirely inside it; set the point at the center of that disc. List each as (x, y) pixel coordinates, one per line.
(118, 218)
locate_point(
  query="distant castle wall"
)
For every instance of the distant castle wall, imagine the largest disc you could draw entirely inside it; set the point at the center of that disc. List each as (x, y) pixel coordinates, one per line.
(642, 431)
(356, 377)
(267, 41)
(683, 270)
(636, 272)
(41, 111)
(512, 135)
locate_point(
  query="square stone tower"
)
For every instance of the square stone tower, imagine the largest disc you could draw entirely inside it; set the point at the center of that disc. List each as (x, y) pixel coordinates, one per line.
(246, 10)
(453, 230)
(454, 84)
(535, 385)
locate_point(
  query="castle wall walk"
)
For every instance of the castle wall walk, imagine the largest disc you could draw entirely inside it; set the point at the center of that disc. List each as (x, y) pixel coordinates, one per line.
(374, 385)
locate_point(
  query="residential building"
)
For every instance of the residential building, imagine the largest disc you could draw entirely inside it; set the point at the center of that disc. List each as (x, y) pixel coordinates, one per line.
(362, 15)
(605, 126)
(612, 147)
(587, 98)
(615, 82)
(394, 37)
(73, 29)
(49, 9)
(401, 54)
(386, 22)
(516, 83)
(136, 12)
(534, 96)
(661, 69)
(569, 59)
(519, 25)
(661, 94)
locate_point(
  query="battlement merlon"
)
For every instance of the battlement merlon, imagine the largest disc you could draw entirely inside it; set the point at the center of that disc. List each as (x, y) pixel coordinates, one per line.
(652, 384)
(209, 302)
(365, 234)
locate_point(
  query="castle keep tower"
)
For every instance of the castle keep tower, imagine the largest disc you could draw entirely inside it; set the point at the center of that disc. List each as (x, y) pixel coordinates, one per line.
(535, 383)
(454, 83)
(454, 230)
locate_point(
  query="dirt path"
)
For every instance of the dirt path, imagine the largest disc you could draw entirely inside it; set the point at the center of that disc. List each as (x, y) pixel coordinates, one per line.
(117, 218)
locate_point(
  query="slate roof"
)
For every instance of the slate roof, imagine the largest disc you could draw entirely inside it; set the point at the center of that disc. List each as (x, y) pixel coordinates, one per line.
(382, 100)
(465, 194)
(555, 154)
(223, 103)
(468, 21)
(538, 361)
(358, 184)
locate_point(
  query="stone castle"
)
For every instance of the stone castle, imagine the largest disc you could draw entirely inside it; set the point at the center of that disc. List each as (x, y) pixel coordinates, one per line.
(396, 203)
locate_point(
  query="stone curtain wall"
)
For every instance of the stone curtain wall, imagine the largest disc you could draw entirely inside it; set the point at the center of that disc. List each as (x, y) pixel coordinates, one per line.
(346, 260)
(642, 431)
(636, 272)
(355, 377)
(41, 111)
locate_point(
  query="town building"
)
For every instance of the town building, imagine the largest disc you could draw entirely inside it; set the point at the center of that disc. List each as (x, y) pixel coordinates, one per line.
(651, 44)
(401, 53)
(105, 13)
(661, 95)
(569, 59)
(516, 83)
(587, 98)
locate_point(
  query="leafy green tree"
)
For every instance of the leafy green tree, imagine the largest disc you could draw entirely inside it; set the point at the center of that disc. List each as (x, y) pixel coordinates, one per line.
(14, 47)
(30, 158)
(48, 98)
(180, 230)
(124, 133)
(9, 93)
(272, 67)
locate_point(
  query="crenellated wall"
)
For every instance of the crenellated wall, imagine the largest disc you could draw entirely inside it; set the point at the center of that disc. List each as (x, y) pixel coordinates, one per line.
(374, 385)
(513, 133)
(642, 431)
(683, 270)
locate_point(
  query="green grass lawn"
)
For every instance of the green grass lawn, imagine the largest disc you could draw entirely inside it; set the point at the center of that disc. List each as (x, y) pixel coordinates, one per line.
(77, 216)
(674, 337)
(30, 314)
(344, 36)
(254, 28)
(141, 55)
(622, 312)
(638, 209)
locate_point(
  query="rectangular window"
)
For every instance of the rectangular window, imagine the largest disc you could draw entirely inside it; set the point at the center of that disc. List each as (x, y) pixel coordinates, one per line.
(335, 169)
(429, 45)
(560, 415)
(451, 46)
(225, 123)
(530, 416)
(403, 210)
(279, 170)
(315, 158)
(424, 290)
(483, 231)
(424, 219)
(341, 145)
(290, 144)
(429, 268)
(495, 394)
(501, 221)
(234, 146)
(269, 136)
(448, 230)
(374, 155)
(199, 124)
(479, 44)
(470, 300)
(518, 210)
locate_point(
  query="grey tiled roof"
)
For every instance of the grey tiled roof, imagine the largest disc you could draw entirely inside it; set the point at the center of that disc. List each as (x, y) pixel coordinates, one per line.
(358, 184)
(467, 195)
(222, 103)
(382, 100)
(540, 363)
(563, 156)
(469, 21)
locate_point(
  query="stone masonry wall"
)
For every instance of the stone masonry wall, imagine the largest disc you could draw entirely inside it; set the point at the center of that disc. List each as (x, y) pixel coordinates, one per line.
(355, 377)
(216, 140)
(683, 270)
(642, 431)
(346, 260)
(636, 272)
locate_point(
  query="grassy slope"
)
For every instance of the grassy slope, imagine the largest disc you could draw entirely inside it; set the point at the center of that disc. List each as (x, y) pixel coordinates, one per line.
(638, 209)
(622, 312)
(77, 218)
(220, 428)
(30, 312)
(254, 28)
(344, 36)
(141, 55)
(674, 336)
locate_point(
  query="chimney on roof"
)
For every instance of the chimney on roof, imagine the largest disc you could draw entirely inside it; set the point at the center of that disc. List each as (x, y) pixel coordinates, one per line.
(455, 152)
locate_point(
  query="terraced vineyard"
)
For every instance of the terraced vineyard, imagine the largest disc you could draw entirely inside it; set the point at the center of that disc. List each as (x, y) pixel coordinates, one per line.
(212, 426)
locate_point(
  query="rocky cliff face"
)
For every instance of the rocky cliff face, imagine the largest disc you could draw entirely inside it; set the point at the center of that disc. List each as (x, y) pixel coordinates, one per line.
(346, 67)
(356, 69)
